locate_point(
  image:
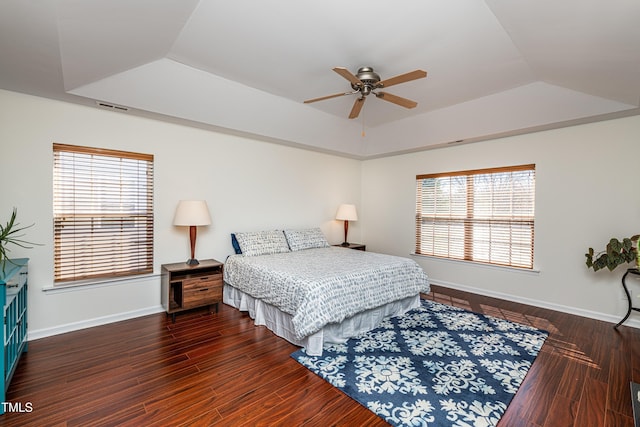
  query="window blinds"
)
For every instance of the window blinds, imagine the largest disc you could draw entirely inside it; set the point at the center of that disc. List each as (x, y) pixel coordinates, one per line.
(481, 215)
(103, 213)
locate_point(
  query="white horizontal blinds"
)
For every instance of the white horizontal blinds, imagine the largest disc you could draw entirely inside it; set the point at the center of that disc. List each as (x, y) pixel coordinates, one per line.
(103, 213)
(480, 215)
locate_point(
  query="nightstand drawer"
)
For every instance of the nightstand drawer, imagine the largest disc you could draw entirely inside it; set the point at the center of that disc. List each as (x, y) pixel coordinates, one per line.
(202, 282)
(202, 296)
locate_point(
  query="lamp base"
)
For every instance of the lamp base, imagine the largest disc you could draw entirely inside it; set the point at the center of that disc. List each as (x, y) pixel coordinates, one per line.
(193, 261)
(345, 244)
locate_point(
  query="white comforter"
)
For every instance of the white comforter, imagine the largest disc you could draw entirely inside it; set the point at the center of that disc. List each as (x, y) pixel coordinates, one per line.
(325, 285)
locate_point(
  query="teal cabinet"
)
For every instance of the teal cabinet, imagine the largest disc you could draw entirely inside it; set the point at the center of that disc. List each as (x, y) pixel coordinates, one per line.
(13, 297)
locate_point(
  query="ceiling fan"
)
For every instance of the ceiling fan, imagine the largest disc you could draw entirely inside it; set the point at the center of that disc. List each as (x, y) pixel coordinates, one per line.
(367, 81)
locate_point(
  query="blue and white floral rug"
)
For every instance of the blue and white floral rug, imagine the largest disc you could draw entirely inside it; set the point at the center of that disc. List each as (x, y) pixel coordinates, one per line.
(436, 365)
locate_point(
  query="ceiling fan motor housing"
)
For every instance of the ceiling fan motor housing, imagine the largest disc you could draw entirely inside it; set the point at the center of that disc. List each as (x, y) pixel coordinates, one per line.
(369, 79)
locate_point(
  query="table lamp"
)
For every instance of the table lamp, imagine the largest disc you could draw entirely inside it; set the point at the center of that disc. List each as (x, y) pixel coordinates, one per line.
(192, 213)
(346, 213)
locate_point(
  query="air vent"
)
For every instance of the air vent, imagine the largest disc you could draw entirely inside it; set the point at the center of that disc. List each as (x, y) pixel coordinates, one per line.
(111, 106)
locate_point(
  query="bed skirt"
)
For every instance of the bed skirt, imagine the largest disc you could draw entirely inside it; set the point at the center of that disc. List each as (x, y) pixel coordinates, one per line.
(280, 323)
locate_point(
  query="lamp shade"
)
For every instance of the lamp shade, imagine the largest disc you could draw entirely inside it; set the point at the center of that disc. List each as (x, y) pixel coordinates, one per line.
(347, 212)
(192, 212)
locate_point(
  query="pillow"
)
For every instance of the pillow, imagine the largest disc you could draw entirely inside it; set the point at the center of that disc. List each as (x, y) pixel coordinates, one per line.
(235, 244)
(306, 238)
(262, 242)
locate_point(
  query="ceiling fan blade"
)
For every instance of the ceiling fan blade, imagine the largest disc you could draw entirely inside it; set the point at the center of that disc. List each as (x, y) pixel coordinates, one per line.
(348, 75)
(403, 102)
(406, 77)
(322, 98)
(357, 106)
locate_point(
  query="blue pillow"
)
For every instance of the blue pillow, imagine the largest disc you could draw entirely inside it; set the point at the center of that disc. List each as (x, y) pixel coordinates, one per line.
(235, 244)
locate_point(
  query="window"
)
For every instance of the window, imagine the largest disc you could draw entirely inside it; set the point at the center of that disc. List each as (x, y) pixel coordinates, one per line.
(481, 215)
(102, 213)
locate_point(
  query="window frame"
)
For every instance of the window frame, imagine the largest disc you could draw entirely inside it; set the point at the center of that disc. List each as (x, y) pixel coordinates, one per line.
(515, 245)
(95, 190)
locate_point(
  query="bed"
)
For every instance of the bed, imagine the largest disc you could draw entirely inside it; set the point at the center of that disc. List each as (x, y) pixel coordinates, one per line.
(308, 292)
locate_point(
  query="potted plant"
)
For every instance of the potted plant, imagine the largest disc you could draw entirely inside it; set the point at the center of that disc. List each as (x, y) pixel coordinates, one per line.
(615, 254)
(10, 234)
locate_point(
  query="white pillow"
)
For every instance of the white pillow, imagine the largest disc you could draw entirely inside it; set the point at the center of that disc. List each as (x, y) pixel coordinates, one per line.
(262, 242)
(307, 238)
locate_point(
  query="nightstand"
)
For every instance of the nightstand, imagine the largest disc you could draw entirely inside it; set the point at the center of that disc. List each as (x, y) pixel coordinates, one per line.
(356, 246)
(191, 286)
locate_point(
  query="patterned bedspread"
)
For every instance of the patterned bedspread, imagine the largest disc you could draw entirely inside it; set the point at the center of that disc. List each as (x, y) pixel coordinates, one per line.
(325, 285)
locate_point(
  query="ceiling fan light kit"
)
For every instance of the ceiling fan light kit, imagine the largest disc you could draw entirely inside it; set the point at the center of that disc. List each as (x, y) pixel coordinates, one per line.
(366, 81)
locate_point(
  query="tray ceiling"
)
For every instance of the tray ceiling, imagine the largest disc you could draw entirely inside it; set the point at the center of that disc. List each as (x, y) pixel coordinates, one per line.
(495, 67)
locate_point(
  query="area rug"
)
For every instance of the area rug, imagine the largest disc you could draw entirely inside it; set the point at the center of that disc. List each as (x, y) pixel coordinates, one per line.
(436, 365)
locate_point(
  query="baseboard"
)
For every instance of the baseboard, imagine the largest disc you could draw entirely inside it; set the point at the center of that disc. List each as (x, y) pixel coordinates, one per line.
(634, 323)
(75, 326)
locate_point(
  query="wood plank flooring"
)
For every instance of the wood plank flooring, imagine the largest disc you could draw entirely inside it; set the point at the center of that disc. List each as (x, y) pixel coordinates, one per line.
(220, 369)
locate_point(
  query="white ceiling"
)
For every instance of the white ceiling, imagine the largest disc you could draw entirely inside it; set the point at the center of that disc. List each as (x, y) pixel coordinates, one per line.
(495, 67)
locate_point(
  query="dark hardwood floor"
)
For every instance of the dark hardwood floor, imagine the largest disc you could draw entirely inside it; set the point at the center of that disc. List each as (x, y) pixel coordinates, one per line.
(219, 369)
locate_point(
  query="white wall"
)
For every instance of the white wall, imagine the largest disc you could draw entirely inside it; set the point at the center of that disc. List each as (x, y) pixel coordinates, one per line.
(248, 184)
(587, 191)
(586, 175)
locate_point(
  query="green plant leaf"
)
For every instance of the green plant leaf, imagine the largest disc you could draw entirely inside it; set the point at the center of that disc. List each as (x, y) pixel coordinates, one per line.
(9, 235)
(589, 256)
(614, 246)
(616, 253)
(600, 263)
